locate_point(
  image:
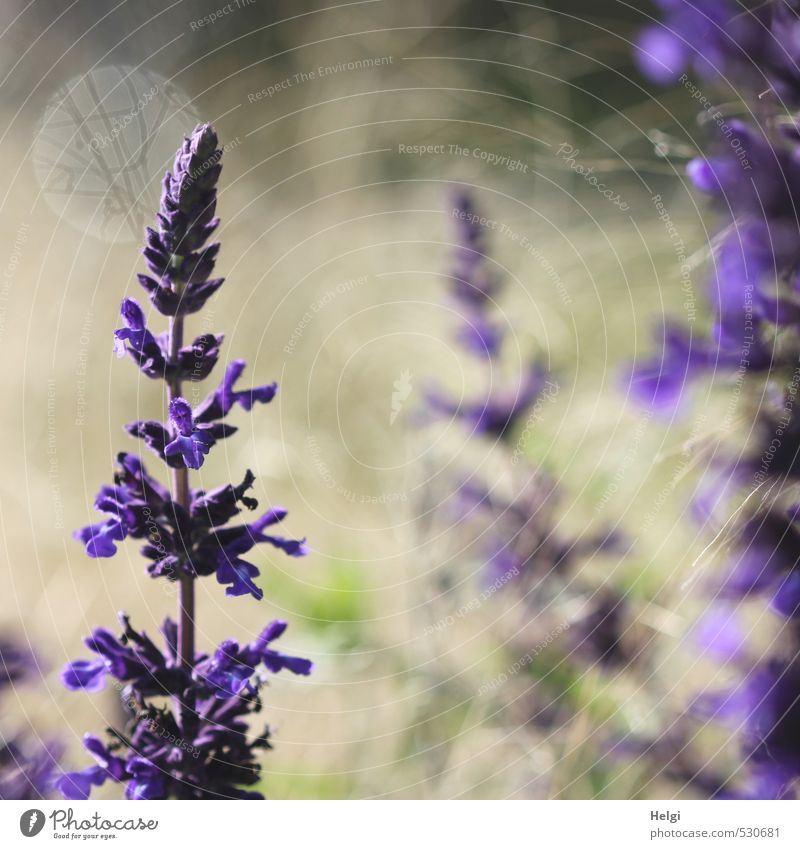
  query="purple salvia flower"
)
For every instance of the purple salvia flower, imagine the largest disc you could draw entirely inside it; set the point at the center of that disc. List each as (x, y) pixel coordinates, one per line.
(474, 287)
(151, 353)
(198, 748)
(220, 402)
(764, 709)
(753, 295)
(750, 47)
(474, 284)
(17, 663)
(28, 768)
(192, 443)
(752, 289)
(225, 686)
(27, 764)
(221, 548)
(176, 253)
(520, 542)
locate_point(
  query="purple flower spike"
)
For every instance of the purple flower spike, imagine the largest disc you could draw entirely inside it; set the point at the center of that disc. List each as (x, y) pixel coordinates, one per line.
(175, 253)
(510, 527)
(751, 173)
(187, 733)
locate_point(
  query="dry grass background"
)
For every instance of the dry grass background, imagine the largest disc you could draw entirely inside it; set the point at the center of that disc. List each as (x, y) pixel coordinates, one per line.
(314, 194)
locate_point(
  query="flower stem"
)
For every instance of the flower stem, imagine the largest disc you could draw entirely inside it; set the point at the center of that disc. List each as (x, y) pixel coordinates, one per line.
(180, 492)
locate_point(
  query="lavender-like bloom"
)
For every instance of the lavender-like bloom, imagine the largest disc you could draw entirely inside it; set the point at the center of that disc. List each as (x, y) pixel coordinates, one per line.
(765, 708)
(520, 542)
(754, 47)
(165, 763)
(474, 288)
(27, 766)
(752, 287)
(753, 294)
(151, 353)
(763, 564)
(198, 748)
(474, 284)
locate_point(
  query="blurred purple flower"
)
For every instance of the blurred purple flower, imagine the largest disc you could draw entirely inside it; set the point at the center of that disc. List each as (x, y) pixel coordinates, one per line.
(27, 764)
(754, 47)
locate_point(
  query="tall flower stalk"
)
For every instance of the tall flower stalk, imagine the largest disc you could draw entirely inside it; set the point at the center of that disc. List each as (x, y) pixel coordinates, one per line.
(186, 736)
(749, 498)
(522, 544)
